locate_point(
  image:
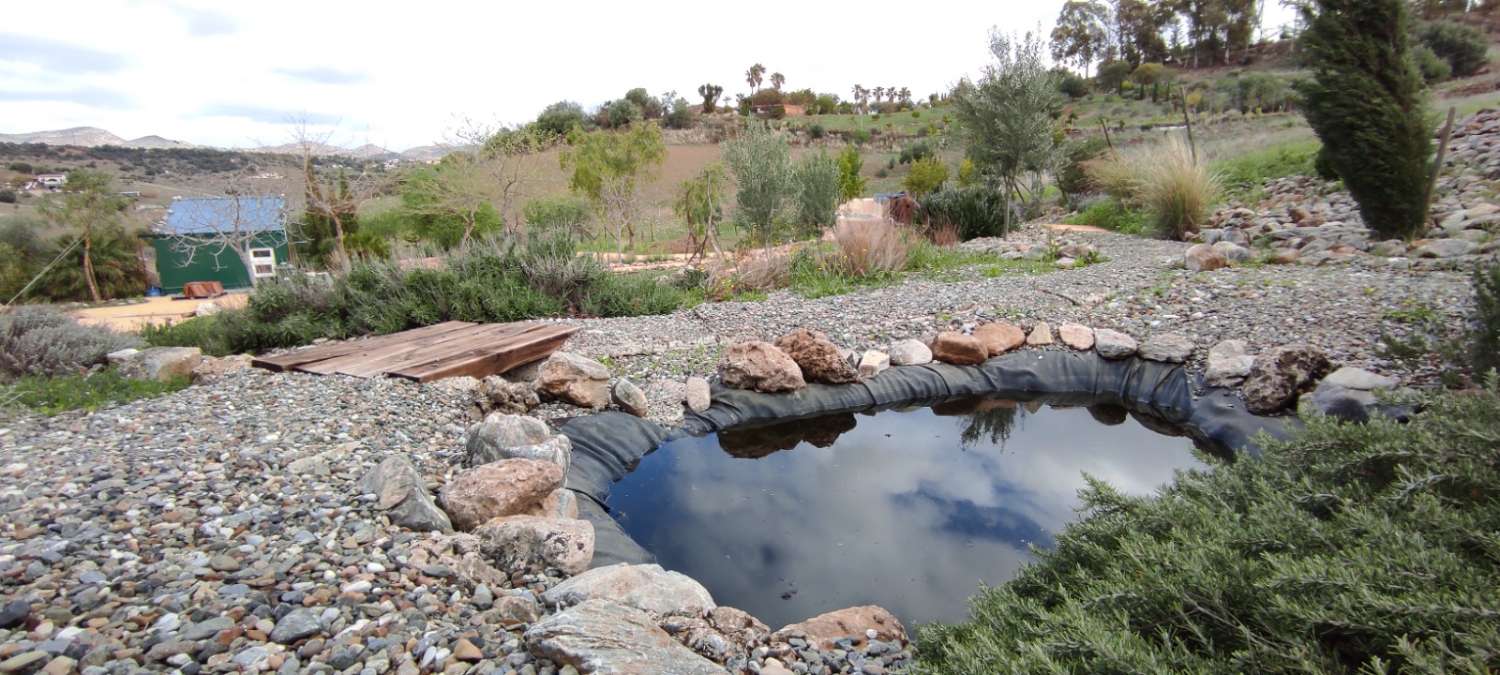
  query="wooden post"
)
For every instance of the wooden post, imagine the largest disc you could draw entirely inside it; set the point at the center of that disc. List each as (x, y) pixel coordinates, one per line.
(1104, 126)
(1188, 119)
(1437, 166)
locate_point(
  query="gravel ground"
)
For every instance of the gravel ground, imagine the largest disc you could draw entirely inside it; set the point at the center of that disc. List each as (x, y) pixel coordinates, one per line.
(214, 528)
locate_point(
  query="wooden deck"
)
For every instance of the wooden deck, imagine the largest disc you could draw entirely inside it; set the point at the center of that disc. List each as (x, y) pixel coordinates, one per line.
(451, 349)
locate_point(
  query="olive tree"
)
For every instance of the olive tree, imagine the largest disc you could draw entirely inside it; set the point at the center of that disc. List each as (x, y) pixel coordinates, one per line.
(608, 167)
(761, 162)
(1006, 118)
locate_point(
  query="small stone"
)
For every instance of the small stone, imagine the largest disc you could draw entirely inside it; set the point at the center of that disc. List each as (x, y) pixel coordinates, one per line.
(817, 356)
(1112, 344)
(1203, 258)
(504, 488)
(696, 394)
(645, 587)
(14, 613)
(1040, 335)
(1446, 248)
(910, 353)
(464, 650)
(1076, 336)
(1280, 375)
(299, 623)
(959, 349)
(1359, 380)
(536, 543)
(873, 363)
(1232, 252)
(630, 398)
(999, 337)
(1228, 364)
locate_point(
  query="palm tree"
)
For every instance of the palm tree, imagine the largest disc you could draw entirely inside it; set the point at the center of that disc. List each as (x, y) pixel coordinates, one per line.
(777, 79)
(753, 77)
(879, 93)
(905, 94)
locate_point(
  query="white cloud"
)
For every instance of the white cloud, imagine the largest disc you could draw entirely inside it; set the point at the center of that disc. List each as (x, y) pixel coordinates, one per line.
(401, 74)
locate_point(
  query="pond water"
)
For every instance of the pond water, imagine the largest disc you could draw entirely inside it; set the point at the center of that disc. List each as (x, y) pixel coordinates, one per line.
(909, 509)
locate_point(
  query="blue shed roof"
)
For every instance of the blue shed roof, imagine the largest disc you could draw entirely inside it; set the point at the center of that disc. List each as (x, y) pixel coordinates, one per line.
(210, 215)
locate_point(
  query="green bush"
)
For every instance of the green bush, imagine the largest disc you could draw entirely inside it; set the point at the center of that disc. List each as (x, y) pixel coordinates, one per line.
(7, 196)
(566, 213)
(1348, 548)
(761, 162)
(1464, 47)
(851, 184)
(1433, 68)
(974, 211)
(1366, 103)
(925, 176)
(816, 178)
(1073, 179)
(1070, 84)
(43, 341)
(913, 152)
(1111, 215)
(634, 295)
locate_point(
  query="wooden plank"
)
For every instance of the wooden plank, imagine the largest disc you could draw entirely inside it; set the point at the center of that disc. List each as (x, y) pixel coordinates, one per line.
(337, 363)
(536, 343)
(452, 343)
(298, 357)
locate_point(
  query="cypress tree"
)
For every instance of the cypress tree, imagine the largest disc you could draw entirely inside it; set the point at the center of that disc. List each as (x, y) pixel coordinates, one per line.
(1366, 103)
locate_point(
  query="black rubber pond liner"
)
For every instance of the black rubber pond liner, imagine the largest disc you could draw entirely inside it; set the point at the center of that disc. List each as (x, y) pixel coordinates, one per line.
(609, 445)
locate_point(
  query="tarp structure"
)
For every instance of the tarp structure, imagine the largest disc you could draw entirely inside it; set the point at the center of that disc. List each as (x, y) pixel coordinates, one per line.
(609, 445)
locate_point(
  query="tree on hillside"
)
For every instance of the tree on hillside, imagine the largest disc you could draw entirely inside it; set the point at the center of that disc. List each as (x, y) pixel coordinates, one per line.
(777, 79)
(753, 77)
(1113, 75)
(761, 161)
(651, 108)
(474, 191)
(561, 117)
(1138, 30)
(608, 167)
(710, 94)
(90, 209)
(1148, 75)
(618, 113)
(861, 97)
(1082, 33)
(1006, 118)
(1366, 103)
(700, 203)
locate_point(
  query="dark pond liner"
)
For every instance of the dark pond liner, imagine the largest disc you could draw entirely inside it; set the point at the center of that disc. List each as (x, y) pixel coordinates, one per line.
(609, 445)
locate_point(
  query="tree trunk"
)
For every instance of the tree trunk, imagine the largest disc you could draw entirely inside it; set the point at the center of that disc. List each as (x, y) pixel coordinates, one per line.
(88, 266)
(338, 233)
(244, 254)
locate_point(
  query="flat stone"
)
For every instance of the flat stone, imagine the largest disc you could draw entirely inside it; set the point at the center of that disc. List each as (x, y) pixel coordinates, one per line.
(1112, 344)
(497, 394)
(999, 337)
(574, 379)
(959, 349)
(1203, 258)
(1232, 252)
(1076, 336)
(852, 623)
(504, 488)
(1228, 364)
(1446, 248)
(1040, 335)
(1167, 348)
(299, 623)
(605, 638)
(648, 588)
(163, 363)
(910, 353)
(535, 543)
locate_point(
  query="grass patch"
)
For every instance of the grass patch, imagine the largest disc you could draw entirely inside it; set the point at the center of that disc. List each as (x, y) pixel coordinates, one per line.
(53, 395)
(1245, 175)
(1110, 215)
(1348, 548)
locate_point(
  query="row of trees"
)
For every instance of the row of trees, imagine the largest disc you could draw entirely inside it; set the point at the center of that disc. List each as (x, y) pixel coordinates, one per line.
(1191, 32)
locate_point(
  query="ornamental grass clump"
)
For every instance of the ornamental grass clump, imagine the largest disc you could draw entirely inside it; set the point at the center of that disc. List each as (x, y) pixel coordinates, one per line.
(1346, 548)
(1174, 187)
(866, 249)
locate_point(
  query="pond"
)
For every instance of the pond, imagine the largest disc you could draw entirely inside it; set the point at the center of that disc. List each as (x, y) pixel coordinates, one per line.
(910, 509)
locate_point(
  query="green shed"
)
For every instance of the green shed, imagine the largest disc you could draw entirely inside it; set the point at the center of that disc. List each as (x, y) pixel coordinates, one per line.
(197, 240)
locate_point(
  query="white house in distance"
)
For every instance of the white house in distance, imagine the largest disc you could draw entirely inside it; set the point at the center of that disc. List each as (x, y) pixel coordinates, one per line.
(52, 181)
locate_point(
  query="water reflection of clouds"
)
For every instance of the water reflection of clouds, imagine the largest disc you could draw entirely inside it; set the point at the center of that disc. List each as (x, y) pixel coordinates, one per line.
(899, 512)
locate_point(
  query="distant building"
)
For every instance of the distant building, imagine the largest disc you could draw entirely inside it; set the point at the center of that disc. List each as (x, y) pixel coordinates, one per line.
(52, 181)
(187, 242)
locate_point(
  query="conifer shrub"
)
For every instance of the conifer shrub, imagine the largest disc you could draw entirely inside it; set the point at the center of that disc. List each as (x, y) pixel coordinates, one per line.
(1366, 103)
(1464, 47)
(1347, 548)
(1484, 346)
(973, 211)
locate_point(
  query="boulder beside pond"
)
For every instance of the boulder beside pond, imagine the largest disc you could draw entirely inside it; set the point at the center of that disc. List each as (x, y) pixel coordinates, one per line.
(853, 623)
(504, 488)
(1280, 375)
(817, 356)
(648, 588)
(599, 636)
(959, 349)
(536, 543)
(760, 366)
(401, 493)
(574, 379)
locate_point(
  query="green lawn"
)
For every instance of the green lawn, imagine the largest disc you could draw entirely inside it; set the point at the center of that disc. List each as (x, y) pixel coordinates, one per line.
(53, 395)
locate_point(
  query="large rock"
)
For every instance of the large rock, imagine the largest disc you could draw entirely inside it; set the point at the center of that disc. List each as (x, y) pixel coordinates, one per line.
(910, 353)
(1232, 252)
(959, 349)
(697, 395)
(817, 356)
(1349, 393)
(560, 503)
(497, 394)
(1446, 248)
(1203, 258)
(645, 587)
(824, 630)
(1077, 336)
(504, 488)
(1280, 375)
(999, 337)
(760, 366)
(1112, 344)
(721, 634)
(630, 398)
(516, 437)
(1228, 364)
(1167, 348)
(162, 364)
(1359, 379)
(401, 493)
(574, 379)
(535, 543)
(606, 638)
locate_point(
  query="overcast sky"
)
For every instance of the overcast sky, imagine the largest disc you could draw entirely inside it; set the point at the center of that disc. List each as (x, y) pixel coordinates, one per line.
(406, 74)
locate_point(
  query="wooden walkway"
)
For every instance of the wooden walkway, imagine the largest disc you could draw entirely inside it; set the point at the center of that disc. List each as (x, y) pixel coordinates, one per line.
(451, 349)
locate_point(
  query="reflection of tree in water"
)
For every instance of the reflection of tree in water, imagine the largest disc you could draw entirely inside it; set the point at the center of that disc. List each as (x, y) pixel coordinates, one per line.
(757, 442)
(986, 419)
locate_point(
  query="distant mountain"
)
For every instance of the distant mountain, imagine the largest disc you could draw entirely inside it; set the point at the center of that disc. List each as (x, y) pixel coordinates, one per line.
(366, 151)
(426, 153)
(90, 137)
